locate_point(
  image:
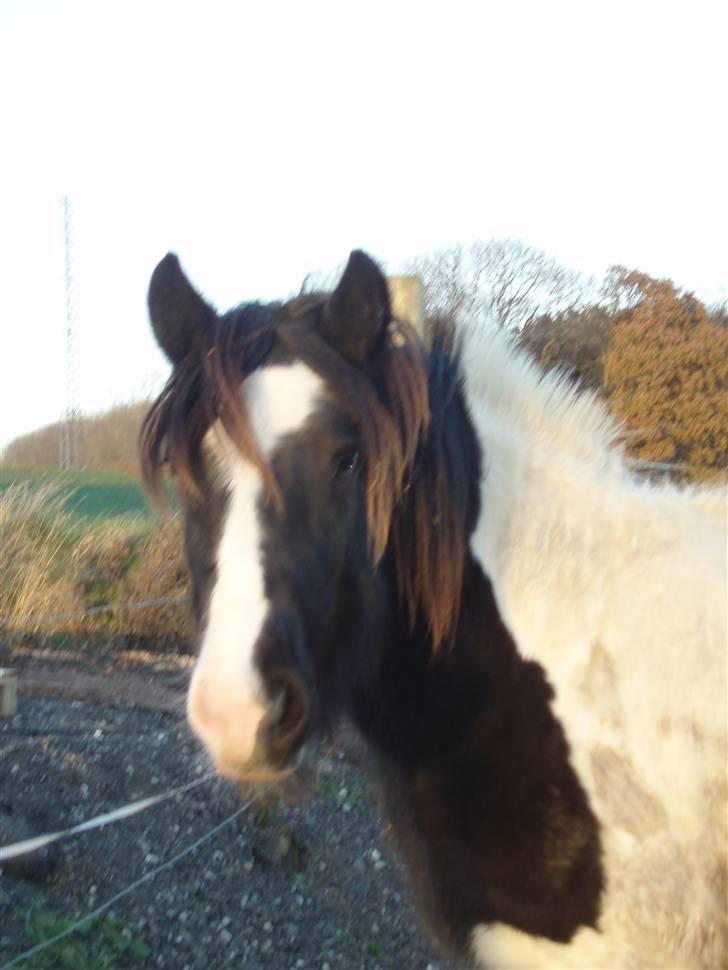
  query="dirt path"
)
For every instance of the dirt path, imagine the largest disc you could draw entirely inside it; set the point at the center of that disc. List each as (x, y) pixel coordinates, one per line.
(120, 678)
(311, 883)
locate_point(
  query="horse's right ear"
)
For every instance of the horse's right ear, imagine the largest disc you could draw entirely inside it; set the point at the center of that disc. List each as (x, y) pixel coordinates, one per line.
(178, 313)
(357, 312)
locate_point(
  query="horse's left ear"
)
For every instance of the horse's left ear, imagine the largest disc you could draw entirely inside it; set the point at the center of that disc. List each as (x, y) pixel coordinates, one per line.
(178, 313)
(358, 311)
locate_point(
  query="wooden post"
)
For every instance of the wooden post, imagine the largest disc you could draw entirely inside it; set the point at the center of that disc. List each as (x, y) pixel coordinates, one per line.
(8, 692)
(407, 295)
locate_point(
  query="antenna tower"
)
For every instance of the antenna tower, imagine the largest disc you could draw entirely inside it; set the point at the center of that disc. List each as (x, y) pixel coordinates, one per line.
(69, 448)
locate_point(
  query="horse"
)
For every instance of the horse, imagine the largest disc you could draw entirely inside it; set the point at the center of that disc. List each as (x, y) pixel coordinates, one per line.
(444, 547)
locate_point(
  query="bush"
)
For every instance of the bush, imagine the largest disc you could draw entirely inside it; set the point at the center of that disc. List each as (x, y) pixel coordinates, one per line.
(666, 376)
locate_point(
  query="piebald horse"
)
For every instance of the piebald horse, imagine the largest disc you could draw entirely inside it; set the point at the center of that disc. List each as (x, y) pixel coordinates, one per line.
(444, 547)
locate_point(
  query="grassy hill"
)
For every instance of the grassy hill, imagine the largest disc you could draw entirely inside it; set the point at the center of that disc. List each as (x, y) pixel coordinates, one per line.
(91, 494)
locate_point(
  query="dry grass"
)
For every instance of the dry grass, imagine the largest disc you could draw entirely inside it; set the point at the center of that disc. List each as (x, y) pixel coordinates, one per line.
(52, 562)
(35, 534)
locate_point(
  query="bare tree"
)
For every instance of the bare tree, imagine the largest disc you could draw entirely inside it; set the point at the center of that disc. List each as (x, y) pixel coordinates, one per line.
(504, 280)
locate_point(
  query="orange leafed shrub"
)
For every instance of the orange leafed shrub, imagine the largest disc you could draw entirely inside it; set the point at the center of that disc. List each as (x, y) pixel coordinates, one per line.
(666, 376)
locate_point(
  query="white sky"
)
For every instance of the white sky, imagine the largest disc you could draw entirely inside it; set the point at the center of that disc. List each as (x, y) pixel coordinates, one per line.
(264, 140)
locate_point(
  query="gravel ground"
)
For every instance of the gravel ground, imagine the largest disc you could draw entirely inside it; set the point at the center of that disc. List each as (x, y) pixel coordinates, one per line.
(306, 882)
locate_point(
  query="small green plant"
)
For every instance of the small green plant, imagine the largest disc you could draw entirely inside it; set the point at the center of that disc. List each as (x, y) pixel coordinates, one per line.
(328, 786)
(370, 947)
(262, 813)
(106, 943)
(298, 881)
(374, 949)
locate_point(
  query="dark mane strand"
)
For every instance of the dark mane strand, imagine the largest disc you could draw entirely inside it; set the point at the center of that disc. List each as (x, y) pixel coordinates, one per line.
(205, 387)
(172, 431)
(236, 353)
(397, 425)
(433, 522)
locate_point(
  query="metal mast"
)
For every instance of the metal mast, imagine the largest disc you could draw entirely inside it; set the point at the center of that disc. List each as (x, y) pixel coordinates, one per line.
(69, 446)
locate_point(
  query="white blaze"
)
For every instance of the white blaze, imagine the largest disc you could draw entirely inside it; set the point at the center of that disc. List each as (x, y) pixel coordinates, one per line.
(226, 700)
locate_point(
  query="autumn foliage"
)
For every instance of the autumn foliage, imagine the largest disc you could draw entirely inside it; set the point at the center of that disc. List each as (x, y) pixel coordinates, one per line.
(666, 375)
(574, 340)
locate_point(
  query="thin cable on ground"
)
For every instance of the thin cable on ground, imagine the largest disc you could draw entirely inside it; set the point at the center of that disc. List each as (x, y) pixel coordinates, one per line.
(135, 885)
(126, 811)
(6, 621)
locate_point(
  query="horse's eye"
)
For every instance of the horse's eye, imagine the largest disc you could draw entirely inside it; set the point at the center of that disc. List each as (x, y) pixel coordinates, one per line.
(346, 464)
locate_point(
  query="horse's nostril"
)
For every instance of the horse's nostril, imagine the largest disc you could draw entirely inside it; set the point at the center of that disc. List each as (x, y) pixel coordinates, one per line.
(283, 726)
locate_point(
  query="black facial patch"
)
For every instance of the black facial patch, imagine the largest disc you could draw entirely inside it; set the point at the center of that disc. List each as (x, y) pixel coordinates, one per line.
(317, 565)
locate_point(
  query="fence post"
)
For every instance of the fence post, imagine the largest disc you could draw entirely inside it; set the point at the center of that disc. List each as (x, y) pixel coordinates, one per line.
(8, 692)
(407, 296)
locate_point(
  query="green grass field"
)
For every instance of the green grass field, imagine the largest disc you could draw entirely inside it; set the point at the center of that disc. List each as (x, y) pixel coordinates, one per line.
(92, 495)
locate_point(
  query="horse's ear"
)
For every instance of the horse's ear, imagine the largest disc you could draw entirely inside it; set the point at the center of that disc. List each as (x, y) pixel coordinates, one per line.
(357, 312)
(178, 313)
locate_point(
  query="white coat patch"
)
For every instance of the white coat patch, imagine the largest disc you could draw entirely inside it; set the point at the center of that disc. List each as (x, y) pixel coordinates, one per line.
(226, 700)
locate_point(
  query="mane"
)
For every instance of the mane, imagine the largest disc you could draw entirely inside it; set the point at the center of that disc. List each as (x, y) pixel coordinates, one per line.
(548, 408)
(558, 420)
(433, 522)
(204, 388)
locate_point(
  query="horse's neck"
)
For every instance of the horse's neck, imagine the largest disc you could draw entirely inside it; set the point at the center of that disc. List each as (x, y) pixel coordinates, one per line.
(423, 707)
(540, 539)
(553, 489)
(476, 773)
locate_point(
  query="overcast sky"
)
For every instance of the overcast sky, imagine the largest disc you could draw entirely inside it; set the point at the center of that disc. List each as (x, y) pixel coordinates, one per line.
(264, 140)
